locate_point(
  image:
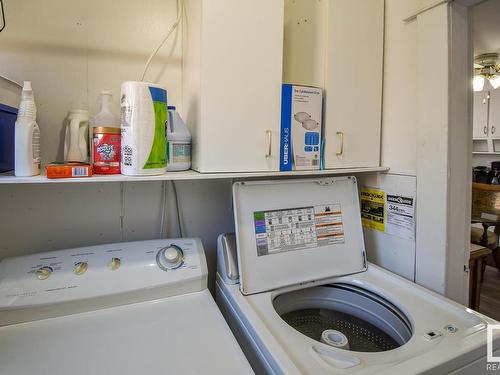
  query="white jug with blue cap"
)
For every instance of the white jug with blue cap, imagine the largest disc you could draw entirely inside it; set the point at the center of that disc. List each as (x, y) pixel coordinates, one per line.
(178, 142)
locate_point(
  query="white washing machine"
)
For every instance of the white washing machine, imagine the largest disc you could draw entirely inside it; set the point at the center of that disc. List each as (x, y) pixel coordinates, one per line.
(126, 308)
(302, 299)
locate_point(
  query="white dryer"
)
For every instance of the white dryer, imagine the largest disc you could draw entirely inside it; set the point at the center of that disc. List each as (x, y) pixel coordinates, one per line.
(302, 299)
(125, 309)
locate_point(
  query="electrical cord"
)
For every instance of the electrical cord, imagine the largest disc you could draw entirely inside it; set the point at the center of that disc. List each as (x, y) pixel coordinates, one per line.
(3, 16)
(163, 222)
(122, 210)
(178, 209)
(180, 7)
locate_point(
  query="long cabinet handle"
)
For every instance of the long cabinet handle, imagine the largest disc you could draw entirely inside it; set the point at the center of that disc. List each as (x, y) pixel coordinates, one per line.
(485, 130)
(269, 143)
(341, 141)
(493, 130)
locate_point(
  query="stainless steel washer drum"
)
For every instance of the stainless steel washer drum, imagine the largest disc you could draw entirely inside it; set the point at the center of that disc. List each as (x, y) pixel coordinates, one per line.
(370, 322)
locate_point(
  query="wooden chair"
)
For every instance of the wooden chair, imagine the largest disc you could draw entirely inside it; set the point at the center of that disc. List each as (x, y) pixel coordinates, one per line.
(477, 261)
(486, 199)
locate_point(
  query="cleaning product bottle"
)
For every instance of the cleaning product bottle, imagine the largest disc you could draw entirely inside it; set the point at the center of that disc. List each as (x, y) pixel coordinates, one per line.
(27, 136)
(76, 148)
(104, 118)
(178, 142)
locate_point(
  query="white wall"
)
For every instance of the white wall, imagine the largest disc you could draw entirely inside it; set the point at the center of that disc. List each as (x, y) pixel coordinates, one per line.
(486, 160)
(389, 251)
(425, 136)
(399, 128)
(71, 50)
(443, 149)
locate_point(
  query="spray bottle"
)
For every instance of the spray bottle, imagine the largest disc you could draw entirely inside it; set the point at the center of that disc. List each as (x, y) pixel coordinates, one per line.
(27, 136)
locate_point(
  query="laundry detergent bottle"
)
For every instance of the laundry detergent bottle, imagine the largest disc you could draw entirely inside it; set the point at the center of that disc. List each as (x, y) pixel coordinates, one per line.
(178, 142)
(26, 136)
(103, 118)
(76, 136)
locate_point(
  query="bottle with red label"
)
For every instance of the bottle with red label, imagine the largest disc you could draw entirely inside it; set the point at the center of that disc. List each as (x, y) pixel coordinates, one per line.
(106, 150)
(105, 138)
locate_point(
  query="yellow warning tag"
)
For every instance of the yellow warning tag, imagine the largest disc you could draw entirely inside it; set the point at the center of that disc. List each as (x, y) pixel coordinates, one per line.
(373, 209)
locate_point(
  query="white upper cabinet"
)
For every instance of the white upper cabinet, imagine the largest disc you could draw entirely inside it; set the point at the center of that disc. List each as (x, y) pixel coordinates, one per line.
(237, 53)
(339, 45)
(353, 83)
(232, 75)
(494, 113)
(486, 122)
(480, 127)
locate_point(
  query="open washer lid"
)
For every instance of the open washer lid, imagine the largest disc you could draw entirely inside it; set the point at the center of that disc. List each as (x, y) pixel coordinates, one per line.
(296, 231)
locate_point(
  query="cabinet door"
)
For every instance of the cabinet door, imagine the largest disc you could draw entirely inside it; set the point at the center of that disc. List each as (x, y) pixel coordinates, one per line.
(494, 110)
(480, 115)
(240, 86)
(353, 83)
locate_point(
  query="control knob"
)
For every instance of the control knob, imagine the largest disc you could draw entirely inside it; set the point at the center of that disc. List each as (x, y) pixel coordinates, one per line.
(80, 268)
(170, 257)
(114, 264)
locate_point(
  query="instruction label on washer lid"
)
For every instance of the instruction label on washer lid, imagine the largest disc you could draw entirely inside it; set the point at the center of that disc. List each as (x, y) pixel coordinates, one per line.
(298, 228)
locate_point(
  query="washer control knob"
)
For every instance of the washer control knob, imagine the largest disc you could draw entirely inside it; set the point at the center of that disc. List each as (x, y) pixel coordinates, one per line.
(80, 268)
(114, 264)
(44, 272)
(170, 257)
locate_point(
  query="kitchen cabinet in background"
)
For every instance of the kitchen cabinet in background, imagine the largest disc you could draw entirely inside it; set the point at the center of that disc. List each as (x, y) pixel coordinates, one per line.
(480, 115)
(494, 114)
(486, 122)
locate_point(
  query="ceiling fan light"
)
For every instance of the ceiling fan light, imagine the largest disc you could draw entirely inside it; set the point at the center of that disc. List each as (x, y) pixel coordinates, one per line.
(478, 83)
(495, 81)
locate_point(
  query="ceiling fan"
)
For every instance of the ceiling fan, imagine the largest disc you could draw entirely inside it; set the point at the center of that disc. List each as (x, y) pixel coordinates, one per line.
(486, 66)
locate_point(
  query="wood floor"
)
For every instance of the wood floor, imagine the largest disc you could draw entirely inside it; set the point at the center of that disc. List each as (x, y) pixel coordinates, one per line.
(490, 293)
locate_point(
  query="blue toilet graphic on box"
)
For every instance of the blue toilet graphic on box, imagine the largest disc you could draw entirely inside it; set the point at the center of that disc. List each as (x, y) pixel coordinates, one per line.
(301, 128)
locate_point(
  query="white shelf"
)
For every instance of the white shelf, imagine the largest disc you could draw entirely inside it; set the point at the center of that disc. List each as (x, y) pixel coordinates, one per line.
(187, 175)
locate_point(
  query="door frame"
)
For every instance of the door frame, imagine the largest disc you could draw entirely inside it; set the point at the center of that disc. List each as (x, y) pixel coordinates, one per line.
(444, 145)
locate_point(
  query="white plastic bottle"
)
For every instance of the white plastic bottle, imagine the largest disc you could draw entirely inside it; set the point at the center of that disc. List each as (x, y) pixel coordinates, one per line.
(178, 142)
(27, 136)
(104, 118)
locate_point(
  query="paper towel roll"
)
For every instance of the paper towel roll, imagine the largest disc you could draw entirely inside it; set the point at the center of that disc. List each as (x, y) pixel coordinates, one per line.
(143, 119)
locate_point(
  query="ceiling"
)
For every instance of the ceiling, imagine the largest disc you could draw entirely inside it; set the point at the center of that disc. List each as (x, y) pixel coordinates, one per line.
(486, 27)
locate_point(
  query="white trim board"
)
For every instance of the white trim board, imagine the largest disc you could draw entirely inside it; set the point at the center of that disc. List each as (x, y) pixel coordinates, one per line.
(186, 175)
(443, 149)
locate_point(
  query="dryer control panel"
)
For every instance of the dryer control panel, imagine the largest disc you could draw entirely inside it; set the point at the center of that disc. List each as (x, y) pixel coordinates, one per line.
(112, 274)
